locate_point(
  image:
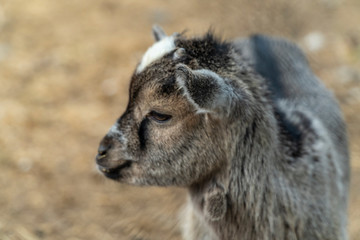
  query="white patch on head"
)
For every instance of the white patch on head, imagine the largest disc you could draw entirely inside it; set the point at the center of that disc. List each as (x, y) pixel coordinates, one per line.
(156, 51)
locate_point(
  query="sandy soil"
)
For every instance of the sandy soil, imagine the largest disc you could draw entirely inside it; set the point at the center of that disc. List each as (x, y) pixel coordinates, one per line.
(64, 72)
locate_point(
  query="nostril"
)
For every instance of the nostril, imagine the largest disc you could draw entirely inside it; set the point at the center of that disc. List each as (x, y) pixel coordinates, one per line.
(103, 149)
(102, 152)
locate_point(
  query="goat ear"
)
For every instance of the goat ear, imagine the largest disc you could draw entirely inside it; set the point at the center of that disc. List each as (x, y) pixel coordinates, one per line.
(206, 90)
(158, 33)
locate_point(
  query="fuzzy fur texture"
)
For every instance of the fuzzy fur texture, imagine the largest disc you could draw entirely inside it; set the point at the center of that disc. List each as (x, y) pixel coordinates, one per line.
(247, 128)
(156, 51)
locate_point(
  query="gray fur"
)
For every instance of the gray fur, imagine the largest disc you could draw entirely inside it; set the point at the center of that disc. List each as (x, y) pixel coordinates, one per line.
(247, 128)
(158, 33)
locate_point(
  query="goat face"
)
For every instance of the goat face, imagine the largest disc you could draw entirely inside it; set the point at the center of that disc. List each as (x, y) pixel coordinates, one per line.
(172, 131)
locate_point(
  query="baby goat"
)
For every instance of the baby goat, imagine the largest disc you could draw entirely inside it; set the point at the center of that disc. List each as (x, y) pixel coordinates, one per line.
(246, 127)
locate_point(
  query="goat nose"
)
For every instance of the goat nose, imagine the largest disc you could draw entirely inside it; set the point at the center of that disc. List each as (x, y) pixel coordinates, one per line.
(103, 150)
(104, 147)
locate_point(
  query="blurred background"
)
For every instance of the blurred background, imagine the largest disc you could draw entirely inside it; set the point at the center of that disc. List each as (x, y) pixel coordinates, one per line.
(64, 75)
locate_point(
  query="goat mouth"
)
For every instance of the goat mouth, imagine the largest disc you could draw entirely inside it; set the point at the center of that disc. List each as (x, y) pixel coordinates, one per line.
(114, 173)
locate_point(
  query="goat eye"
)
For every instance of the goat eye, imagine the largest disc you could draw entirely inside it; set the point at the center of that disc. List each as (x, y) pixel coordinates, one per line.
(158, 117)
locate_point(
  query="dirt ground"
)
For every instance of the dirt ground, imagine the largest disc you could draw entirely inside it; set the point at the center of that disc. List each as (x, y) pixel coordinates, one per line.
(64, 73)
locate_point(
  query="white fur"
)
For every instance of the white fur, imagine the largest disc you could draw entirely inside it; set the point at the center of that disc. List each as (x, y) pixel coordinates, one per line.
(116, 133)
(114, 130)
(156, 51)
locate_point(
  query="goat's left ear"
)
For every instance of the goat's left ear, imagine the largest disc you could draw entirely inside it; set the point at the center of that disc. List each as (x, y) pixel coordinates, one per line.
(206, 90)
(158, 33)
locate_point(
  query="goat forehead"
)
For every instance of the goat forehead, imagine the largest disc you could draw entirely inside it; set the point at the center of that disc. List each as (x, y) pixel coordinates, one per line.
(156, 91)
(156, 51)
(155, 81)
